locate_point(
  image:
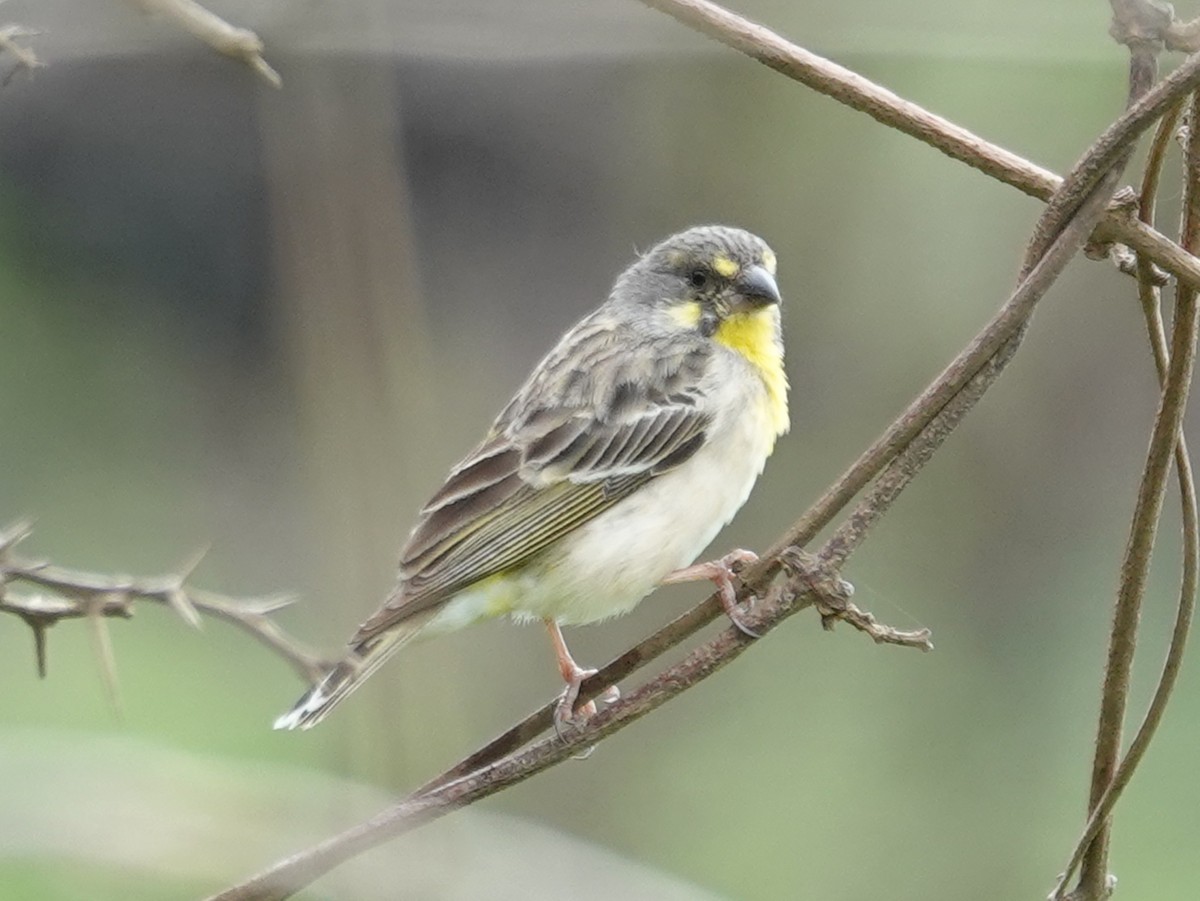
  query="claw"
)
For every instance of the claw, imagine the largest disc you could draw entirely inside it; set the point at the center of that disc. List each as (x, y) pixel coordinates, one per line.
(573, 674)
(722, 574)
(565, 713)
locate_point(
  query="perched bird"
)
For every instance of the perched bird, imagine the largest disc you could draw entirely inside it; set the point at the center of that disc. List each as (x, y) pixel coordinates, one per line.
(624, 453)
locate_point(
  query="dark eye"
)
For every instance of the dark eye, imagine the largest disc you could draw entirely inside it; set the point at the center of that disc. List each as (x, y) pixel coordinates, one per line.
(698, 278)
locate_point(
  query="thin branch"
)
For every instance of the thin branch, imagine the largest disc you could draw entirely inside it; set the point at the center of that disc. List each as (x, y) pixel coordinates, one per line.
(885, 107)
(1094, 879)
(1112, 145)
(913, 438)
(865, 622)
(1086, 179)
(75, 594)
(931, 416)
(240, 43)
(832, 596)
(103, 649)
(448, 794)
(1149, 296)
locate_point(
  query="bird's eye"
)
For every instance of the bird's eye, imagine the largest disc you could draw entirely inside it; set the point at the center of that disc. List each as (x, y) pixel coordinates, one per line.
(698, 278)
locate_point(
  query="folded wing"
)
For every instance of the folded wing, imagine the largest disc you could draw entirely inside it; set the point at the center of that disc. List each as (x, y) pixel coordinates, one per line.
(566, 450)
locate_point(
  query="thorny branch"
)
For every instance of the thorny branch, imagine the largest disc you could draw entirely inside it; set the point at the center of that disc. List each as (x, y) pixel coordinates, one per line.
(240, 43)
(72, 595)
(808, 580)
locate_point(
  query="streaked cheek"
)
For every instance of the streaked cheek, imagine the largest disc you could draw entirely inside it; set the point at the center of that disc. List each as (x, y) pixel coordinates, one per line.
(687, 314)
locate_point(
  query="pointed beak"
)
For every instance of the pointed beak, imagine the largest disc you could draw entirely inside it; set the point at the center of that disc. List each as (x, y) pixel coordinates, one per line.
(756, 287)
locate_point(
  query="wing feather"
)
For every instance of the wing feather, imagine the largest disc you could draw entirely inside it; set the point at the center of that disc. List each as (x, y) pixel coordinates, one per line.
(491, 463)
(565, 450)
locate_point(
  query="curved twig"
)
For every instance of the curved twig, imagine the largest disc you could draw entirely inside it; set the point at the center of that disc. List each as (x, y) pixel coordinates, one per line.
(1093, 878)
(1149, 296)
(810, 580)
(852, 90)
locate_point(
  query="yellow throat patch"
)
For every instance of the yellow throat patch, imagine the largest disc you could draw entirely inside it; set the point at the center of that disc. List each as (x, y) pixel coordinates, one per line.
(753, 335)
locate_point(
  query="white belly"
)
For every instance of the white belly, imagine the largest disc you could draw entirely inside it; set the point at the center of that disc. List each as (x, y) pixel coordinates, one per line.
(607, 566)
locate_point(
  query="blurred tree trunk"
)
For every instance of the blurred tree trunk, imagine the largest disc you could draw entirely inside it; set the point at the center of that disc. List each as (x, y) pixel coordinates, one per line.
(346, 278)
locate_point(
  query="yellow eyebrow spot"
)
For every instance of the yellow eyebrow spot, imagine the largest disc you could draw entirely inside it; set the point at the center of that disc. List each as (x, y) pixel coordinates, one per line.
(725, 267)
(686, 314)
(768, 259)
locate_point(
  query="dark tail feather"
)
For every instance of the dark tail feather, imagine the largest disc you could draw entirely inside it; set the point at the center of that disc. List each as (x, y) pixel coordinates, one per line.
(350, 673)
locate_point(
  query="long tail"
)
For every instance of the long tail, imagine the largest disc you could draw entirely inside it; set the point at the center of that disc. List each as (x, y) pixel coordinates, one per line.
(350, 673)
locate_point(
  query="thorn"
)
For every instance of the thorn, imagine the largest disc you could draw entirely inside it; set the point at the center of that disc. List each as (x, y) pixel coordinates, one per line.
(39, 627)
(192, 563)
(264, 69)
(102, 645)
(177, 597)
(179, 601)
(14, 534)
(39, 646)
(266, 605)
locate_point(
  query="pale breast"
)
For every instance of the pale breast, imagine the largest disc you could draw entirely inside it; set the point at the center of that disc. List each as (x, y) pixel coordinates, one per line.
(607, 566)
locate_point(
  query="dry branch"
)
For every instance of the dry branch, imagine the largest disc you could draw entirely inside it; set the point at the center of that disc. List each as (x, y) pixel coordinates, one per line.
(1150, 300)
(71, 594)
(1094, 877)
(804, 585)
(855, 91)
(240, 43)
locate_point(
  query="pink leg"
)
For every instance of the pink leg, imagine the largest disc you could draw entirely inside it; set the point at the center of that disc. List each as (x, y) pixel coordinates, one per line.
(720, 573)
(573, 674)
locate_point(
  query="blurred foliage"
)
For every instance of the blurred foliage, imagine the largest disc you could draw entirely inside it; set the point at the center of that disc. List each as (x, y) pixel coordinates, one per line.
(222, 325)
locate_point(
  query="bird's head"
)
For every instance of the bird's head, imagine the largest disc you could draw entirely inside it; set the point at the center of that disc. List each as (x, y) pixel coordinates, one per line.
(706, 277)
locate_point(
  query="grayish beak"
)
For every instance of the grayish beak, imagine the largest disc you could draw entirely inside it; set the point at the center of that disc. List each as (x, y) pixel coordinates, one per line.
(757, 287)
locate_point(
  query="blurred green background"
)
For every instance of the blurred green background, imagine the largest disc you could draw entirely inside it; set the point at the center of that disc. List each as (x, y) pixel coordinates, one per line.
(267, 322)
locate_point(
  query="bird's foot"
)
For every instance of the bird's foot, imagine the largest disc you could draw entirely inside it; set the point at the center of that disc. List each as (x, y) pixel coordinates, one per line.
(565, 714)
(722, 573)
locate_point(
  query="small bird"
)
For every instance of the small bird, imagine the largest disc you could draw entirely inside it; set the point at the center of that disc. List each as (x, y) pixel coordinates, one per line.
(628, 448)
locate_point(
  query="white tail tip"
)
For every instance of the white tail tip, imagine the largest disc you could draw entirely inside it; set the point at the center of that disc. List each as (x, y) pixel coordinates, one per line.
(309, 711)
(363, 660)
